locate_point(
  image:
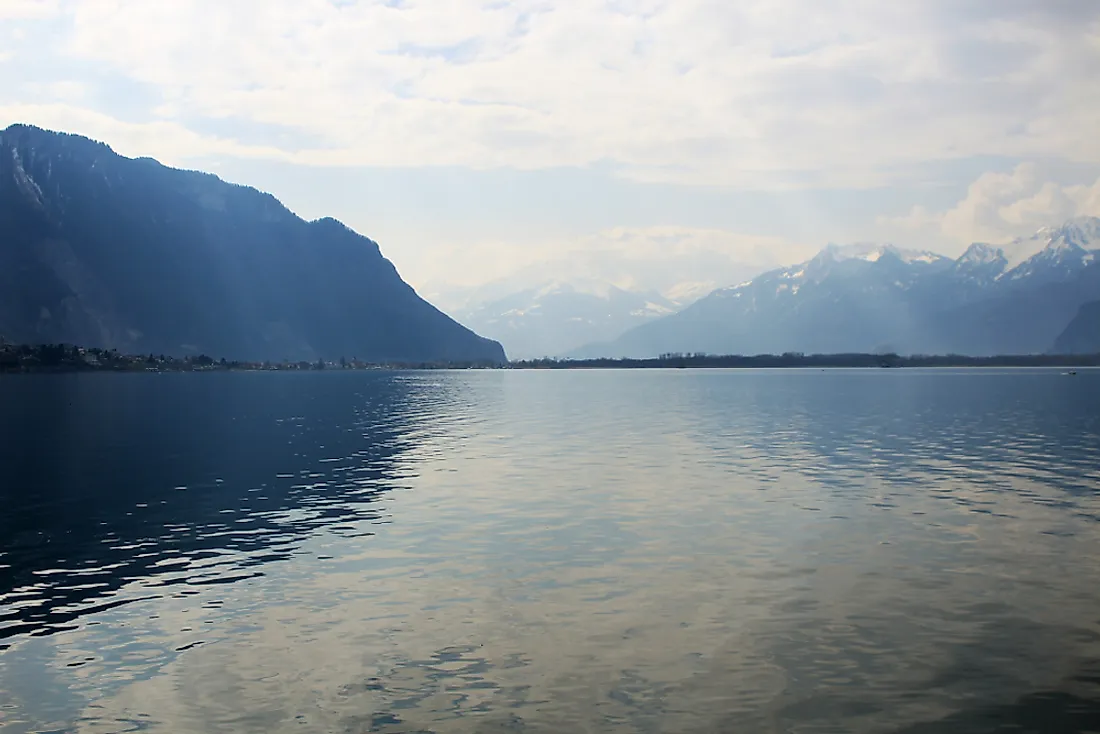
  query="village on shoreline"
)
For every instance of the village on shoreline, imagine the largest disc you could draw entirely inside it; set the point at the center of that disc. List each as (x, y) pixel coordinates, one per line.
(52, 358)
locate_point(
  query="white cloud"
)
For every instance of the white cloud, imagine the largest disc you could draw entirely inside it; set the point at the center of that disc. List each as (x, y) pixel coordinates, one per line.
(760, 93)
(178, 143)
(28, 9)
(1000, 206)
(918, 218)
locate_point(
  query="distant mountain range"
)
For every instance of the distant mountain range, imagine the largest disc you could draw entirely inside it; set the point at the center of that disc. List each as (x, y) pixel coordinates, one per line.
(1015, 298)
(105, 251)
(556, 317)
(571, 298)
(111, 252)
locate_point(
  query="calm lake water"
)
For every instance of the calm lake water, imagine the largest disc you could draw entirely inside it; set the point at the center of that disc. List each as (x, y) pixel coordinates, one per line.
(640, 551)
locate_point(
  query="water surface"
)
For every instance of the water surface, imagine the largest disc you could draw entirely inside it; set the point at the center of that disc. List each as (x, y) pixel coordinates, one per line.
(635, 551)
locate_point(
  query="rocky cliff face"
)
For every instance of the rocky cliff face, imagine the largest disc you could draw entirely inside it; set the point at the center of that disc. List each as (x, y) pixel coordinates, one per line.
(106, 251)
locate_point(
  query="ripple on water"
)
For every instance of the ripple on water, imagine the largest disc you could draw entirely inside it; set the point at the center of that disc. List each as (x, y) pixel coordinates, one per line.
(640, 551)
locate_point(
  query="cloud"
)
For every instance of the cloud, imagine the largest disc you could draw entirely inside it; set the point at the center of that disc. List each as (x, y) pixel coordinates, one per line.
(1000, 206)
(133, 139)
(754, 93)
(28, 9)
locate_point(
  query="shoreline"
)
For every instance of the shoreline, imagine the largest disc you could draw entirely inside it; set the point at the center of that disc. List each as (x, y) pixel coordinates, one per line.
(822, 362)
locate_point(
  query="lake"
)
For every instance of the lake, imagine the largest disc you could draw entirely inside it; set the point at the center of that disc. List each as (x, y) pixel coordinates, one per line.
(568, 551)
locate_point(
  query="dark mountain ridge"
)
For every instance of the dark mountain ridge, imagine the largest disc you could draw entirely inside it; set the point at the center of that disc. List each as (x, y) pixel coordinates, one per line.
(1082, 335)
(111, 252)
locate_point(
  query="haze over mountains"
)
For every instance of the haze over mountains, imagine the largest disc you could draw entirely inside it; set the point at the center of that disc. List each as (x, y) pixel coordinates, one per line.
(105, 251)
(1015, 298)
(582, 295)
(560, 316)
(1082, 336)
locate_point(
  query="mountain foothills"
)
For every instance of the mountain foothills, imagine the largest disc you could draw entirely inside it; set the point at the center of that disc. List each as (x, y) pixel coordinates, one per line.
(1015, 298)
(109, 252)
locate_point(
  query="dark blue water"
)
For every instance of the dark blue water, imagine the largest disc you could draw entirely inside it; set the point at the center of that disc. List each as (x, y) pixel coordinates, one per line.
(643, 551)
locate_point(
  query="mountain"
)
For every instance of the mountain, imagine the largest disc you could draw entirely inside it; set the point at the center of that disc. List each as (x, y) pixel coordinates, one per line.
(1012, 298)
(1082, 336)
(556, 317)
(106, 251)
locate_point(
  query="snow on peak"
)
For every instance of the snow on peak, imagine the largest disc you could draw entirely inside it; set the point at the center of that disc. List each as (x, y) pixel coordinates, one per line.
(735, 291)
(981, 253)
(872, 252)
(651, 310)
(591, 287)
(1022, 249)
(688, 291)
(552, 288)
(917, 256)
(1080, 233)
(856, 251)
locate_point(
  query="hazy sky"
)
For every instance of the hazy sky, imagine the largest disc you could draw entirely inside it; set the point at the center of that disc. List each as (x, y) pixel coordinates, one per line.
(478, 138)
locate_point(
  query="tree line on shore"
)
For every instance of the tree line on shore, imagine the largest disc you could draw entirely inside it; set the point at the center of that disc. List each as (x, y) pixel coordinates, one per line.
(70, 358)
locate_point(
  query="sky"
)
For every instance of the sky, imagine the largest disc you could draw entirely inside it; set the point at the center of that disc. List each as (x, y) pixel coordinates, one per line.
(645, 142)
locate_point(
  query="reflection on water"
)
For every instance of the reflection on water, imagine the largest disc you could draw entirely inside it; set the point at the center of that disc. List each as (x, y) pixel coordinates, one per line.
(849, 551)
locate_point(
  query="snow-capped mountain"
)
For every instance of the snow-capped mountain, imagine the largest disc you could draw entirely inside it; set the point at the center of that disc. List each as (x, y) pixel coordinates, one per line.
(555, 317)
(1052, 253)
(1011, 298)
(1072, 239)
(981, 264)
(1056, 253)
(872, 252)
